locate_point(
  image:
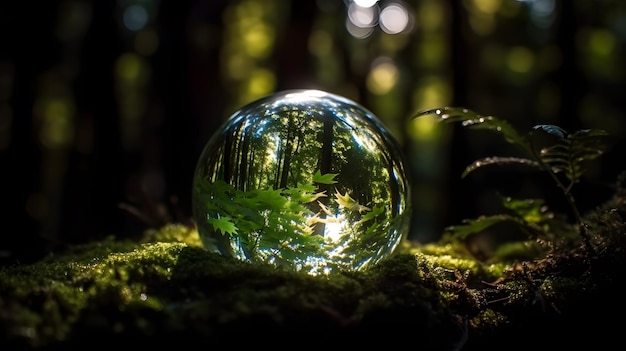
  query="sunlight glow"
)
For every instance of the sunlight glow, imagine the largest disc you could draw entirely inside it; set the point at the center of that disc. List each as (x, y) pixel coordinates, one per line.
(423, 127)
(258, 40)
(365, 3)
(358, 32)
(261, 82)
(383, 77)
(334, 228)
(487, 6)
(363, 17)
(394, 19)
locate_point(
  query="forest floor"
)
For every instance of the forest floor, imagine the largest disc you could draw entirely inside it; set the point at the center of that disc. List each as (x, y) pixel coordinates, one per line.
(165, 289)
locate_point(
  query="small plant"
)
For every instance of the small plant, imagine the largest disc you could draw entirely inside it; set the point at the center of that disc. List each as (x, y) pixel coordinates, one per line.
(563, 160)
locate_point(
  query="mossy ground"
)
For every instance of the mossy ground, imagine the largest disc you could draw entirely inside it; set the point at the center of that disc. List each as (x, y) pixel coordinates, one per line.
(166, 289)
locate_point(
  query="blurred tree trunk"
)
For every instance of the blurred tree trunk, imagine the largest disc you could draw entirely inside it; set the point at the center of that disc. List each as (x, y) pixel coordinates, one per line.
(27, 50)
(568, 77)
(97, 179)
(188, 89)
(325, 164)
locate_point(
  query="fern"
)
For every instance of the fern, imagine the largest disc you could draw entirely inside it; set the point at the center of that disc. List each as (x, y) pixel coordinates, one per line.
(566, 157)
(571, 150)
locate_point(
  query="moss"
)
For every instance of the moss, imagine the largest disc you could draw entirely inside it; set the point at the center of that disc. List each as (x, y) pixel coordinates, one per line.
(166, 287)
(488, 319)
(519, 251)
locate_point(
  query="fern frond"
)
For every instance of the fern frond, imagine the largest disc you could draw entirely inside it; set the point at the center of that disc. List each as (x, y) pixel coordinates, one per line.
(570, 152)
(566, 156)
(477, 225)
(496, 160)
(470, 119)
(552, 129)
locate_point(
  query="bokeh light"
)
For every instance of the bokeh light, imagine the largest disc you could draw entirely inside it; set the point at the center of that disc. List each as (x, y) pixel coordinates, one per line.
(383, 76)
(391, 17)
(394, 19)
(135, 17)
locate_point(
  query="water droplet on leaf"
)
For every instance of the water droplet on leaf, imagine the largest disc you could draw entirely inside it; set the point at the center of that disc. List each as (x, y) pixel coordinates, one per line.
(304, 180)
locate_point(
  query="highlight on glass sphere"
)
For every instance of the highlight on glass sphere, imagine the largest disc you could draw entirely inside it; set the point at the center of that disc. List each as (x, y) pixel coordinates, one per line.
(304, 180)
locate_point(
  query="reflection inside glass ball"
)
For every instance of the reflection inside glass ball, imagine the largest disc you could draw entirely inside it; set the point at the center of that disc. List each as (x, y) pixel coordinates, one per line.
(304, 180)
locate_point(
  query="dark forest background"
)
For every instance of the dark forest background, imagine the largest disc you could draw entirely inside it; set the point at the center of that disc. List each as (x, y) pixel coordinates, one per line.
(105, 106)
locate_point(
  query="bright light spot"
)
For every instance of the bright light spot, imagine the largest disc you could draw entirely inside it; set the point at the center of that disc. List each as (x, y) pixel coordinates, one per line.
(363, 17)
(383, 77)
(273, 152)
(487, 6)
(261, 82)
(365, 143)
(423, 126)
(358, 32)
(135, 17)
(258, 40)
(394, 19)
(334, 228)
(365, 3)
(520, 59)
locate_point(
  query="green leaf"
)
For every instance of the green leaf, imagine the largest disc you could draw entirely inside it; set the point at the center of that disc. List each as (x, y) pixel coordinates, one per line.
(487, 161)
(471, 119)
(270, 199)
(552, 129)
(471, 226)
(305, 188)
(223, 225)
(376, 211)
(328, 178)
(497, 125)
(531, 210)
(302, 196)
(349, 203)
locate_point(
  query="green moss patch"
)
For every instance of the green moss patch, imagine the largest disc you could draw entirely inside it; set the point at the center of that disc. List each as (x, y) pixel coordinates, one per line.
(167, 289)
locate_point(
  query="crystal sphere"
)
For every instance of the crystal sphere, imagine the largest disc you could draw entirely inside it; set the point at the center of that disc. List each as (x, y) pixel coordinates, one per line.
(304, 180)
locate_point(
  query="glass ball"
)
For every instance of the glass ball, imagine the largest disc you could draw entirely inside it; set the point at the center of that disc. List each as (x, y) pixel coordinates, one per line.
(303, 180)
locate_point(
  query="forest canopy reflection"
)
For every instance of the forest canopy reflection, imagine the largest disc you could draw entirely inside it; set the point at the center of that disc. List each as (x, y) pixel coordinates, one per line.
(302, 179)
